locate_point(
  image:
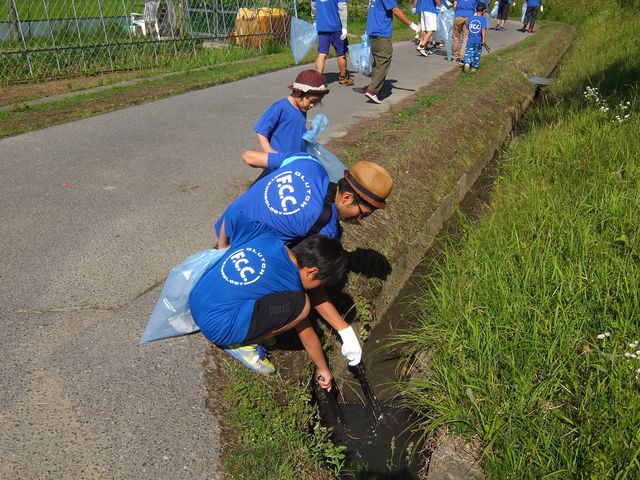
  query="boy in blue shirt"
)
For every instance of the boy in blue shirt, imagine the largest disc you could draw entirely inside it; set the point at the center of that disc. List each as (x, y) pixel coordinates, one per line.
(331, 24)
(379, 29)
(296, 200)
(281, 127)
(533, 6)
(477, 26)
(257, 290)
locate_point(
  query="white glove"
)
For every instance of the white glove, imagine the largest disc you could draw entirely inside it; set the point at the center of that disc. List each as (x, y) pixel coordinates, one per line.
(413, 10)
(541, 8)
(414, 27)
(351, 349)
(448, 3)
(344, 34)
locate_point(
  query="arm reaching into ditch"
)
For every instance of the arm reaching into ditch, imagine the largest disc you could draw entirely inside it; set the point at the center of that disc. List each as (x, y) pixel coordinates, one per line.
(311, 344)
(351, 348)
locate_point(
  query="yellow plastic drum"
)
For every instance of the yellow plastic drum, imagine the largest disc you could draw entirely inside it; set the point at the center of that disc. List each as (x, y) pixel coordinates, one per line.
(254, 26)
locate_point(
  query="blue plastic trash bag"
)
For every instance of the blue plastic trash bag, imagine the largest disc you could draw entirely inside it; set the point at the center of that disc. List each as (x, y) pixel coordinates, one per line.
(360, 55)
(494, 10)
(303, 36)
(171, 315)
(318, 125)
(332, 164)
(445, 31)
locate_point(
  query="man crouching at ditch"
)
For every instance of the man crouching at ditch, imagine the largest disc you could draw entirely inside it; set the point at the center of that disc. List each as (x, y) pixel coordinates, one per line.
(257, 290)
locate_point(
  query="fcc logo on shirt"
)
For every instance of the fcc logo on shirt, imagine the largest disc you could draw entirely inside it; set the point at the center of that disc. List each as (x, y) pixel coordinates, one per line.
(474, 26)
(287, 193)
(244, 266)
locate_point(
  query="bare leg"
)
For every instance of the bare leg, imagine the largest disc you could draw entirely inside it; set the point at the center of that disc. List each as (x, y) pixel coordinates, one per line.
(342, 65)
(320, 62)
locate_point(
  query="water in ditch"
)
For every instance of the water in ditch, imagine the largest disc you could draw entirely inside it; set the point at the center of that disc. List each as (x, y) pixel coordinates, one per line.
(391, 447)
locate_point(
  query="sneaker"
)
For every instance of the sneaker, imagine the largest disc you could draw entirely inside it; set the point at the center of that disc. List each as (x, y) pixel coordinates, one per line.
(419, 47)
(424, 52)
(253, 357)
(474, 69)
(466, 67)
(530, 31)
(523, 29)
(345, 79)
(372, 96)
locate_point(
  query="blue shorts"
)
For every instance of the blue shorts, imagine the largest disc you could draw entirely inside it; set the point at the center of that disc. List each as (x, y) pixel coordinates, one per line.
(326, 39)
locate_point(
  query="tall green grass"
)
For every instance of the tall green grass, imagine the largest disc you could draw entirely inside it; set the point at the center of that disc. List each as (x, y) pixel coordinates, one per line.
(511, 321)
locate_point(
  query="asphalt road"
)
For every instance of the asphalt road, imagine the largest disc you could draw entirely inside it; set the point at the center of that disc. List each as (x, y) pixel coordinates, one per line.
(95, 213)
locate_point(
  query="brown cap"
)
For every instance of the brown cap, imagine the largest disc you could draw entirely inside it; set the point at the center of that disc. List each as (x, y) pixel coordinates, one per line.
(310, 81)
(370, 181)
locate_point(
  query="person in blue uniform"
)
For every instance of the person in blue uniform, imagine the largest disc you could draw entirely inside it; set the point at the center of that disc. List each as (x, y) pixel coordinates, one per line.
(281, 127)
(477, 26)
(331, 23)
(296, 199)
(257, 290)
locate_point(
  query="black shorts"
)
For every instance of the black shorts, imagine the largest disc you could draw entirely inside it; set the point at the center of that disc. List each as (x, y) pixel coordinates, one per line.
(275, 311)
(503, 10)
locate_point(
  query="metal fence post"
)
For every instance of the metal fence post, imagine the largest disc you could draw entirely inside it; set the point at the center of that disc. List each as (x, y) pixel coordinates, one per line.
(13, 17)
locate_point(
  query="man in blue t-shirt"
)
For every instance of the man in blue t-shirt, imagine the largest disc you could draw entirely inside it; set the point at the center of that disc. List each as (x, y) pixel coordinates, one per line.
(379, 29)
(295, 196)
(533, 7)
(331, 23)
(257, 290)
(464, 10)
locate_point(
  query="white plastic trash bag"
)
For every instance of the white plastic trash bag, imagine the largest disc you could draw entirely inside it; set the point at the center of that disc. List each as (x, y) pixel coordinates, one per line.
(494, 10)
(303, 36)
(171, 315)
(332, 164)
(361, 57)
(445, 31)
(524, 10)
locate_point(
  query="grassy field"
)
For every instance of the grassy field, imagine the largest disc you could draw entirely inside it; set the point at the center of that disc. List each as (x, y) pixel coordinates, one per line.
(38, 9)
(532, 322)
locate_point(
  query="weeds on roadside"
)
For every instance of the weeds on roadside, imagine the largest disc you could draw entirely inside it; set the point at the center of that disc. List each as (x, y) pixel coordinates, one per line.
(532, 320)
(277, 431)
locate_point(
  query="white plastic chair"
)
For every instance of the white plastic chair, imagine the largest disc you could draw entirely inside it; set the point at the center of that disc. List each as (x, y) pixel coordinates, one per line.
(147, 22)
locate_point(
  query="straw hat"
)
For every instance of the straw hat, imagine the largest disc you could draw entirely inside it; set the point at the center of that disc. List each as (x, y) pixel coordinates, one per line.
(370, 181)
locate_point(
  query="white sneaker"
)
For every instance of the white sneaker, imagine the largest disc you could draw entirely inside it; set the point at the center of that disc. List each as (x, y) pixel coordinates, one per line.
(423, 52)
(372, 96)
(466, 67)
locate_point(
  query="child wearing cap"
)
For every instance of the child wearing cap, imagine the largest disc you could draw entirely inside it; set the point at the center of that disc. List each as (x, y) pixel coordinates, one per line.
(281, 127)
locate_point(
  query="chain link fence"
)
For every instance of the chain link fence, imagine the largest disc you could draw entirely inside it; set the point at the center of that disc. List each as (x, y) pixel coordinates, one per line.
(56, 38)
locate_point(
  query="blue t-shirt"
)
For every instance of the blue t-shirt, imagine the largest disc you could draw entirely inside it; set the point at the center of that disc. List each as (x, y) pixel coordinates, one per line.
(475, 26)
(289, 199)
(257, 264)
(426, 6)
(380, 18)
(466, 8)
(283, 125)
(533, 3)
(328, 16)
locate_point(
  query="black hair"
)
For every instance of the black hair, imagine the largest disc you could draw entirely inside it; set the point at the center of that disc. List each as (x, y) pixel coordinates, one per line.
(301, 94)
(344, 187)
(481, 7)
(324, 253)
